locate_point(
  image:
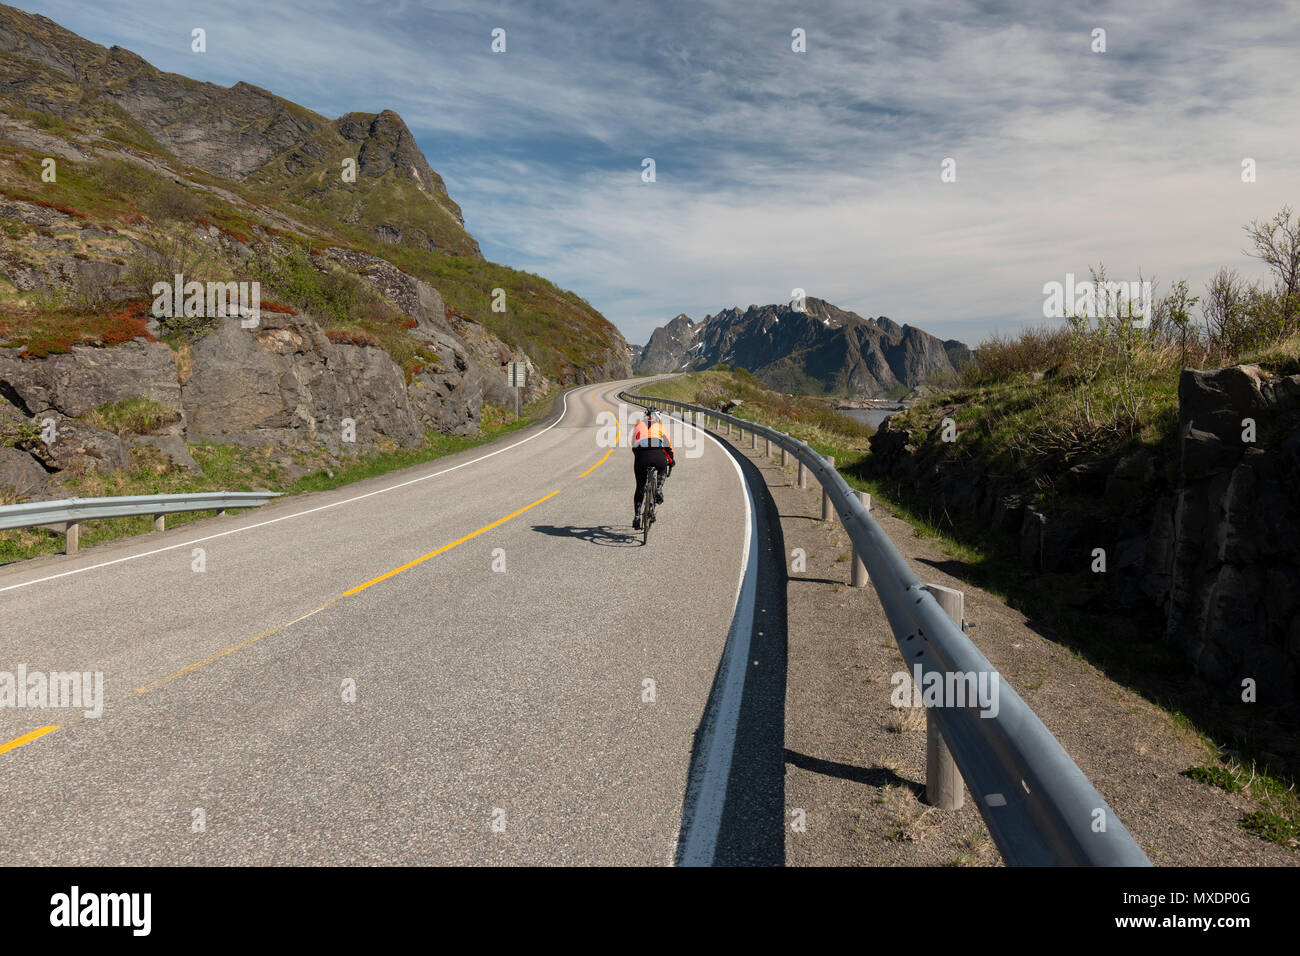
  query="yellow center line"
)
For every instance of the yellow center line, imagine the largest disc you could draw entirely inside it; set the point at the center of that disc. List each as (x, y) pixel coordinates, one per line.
(597, 464)
(229, 650)
(27, 738)
(447, 547)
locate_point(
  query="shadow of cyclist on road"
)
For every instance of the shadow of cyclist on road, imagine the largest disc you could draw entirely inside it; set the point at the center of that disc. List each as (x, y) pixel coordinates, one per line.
(609, 536)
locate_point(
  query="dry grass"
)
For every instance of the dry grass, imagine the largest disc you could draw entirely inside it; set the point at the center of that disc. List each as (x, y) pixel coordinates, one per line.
(910, 821)
(905, 720)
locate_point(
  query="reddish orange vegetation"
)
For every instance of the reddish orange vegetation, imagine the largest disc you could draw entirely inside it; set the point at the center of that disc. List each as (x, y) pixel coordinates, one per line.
(413, 371)
(410, 323)
(279, 307)
(134, 218)
(130, 320)
(47, 333)
(237, 236)
(346, 337)
(23, 197)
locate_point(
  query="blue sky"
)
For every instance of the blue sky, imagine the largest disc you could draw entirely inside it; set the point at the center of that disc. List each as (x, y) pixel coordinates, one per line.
(778, 170)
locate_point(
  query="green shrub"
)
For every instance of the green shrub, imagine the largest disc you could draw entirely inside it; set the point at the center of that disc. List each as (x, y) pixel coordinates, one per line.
(330, 294)
(1000, 357)
(174, 203)
(1216, 777)
(131, 416)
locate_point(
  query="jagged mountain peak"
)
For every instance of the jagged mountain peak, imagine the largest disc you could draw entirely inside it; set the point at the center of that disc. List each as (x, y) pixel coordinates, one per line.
(819, 348)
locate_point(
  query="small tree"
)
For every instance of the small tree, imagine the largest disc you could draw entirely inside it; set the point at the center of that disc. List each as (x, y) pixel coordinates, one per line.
(1277, 245)
(1223, 310)
(1175, 311)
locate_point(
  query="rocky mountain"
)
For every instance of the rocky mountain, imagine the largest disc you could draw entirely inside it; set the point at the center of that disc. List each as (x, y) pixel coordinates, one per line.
(820, 349)
(241, 133)
(376, 306)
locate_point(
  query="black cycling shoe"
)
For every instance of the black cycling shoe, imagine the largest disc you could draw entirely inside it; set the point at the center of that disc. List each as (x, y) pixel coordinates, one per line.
(636, 523)
(659, 495)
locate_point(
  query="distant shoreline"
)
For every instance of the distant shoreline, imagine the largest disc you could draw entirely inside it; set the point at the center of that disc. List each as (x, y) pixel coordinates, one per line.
(879, 404)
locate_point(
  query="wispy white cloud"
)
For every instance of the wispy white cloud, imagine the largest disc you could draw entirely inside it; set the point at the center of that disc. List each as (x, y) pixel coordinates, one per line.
(818, 170)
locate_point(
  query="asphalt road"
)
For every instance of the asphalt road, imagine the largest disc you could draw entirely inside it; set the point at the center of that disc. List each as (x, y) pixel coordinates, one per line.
(499, 715)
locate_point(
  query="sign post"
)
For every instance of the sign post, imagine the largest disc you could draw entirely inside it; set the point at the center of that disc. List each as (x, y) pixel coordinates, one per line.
(517, 377)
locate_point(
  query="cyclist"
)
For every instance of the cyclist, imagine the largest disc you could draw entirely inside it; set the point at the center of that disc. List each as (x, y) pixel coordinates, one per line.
(651, 449)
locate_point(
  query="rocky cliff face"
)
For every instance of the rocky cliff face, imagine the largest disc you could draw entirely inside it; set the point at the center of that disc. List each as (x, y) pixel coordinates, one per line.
(241, 133)
(821, 349)
(1207, 543)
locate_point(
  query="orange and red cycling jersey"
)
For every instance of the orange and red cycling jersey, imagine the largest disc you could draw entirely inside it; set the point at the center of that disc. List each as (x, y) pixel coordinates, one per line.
(653, 435)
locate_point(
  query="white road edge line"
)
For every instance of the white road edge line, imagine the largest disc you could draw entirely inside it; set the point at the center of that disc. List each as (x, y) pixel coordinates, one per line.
(297, 514)
(704, 822)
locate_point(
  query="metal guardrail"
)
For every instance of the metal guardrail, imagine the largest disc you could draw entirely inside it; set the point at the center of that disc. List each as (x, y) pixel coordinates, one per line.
(1039, 807)
(70, 512)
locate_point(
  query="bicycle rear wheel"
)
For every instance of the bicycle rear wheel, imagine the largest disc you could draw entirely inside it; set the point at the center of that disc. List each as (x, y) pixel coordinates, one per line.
(647, 516)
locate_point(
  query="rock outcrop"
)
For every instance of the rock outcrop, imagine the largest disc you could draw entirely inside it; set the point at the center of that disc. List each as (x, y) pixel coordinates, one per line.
(285, 383)
(1223, 552)
(1210, 545)
(75, 382)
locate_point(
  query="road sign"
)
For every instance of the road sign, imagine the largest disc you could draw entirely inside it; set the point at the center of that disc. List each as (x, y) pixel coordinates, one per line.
(517, 375)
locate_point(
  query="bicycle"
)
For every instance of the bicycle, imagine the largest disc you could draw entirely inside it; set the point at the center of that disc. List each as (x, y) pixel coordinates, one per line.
(654, 481)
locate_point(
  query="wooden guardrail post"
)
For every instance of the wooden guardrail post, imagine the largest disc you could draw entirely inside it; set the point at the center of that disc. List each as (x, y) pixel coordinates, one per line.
(859, 578)
(943, 784)
(785, 458)
(767, 452)
(803, 475)
(160, 522)
(72, 536)
(828, 512)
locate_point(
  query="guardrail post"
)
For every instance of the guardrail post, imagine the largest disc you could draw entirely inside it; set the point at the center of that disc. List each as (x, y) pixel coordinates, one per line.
(767, 452)
(159, 522)
(860, 579)
(753, 440)
(803, 475)
(827, 511)
(72, 532)
(785, 458)
(943, 783)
